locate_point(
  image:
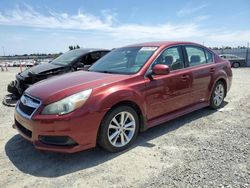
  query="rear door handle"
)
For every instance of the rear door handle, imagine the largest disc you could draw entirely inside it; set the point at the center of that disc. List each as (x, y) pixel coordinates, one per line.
(212, 69)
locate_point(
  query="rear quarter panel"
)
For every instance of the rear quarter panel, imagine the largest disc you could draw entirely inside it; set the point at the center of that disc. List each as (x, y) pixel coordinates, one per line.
(222, 71)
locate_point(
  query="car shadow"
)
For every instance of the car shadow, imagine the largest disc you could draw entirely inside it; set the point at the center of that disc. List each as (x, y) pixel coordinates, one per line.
(47, 164)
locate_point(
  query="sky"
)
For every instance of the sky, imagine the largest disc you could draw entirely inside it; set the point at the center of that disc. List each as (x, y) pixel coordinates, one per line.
(50, 26)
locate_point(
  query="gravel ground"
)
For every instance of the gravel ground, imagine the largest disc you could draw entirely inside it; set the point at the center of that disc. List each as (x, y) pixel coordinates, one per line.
(203, 149)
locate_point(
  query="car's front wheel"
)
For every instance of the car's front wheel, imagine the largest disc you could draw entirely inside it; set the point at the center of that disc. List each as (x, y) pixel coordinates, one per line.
(119, 129)
(11, 88)
(218, 94)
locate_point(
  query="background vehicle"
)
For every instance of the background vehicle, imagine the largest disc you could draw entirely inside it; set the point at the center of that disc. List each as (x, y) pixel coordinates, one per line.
(9, 64)
(29, 64)
(129, 90)
(16, 63)
(234, 60)
(79, 59)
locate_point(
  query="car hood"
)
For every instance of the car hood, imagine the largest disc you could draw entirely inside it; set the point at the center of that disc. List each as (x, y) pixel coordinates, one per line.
(58, 87)
(44, 68)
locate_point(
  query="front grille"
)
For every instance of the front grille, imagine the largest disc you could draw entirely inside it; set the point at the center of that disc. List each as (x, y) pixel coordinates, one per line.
(26, 109)
(21, 128)
(27, 105)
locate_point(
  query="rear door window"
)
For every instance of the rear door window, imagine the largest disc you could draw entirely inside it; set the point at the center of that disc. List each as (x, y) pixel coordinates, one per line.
(95, 55)
(196, 56)
(209, 56)
(103, 53)
(89, 59)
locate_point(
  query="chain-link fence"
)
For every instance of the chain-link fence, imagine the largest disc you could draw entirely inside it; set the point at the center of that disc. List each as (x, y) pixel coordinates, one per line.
(243, 53)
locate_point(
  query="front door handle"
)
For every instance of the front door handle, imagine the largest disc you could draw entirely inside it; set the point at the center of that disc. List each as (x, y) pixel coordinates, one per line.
(185, 77)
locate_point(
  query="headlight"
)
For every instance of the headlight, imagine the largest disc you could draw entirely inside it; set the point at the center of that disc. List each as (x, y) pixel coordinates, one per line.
(67, 104)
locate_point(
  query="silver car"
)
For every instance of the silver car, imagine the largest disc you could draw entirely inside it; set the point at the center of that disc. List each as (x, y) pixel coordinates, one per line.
(235, 61)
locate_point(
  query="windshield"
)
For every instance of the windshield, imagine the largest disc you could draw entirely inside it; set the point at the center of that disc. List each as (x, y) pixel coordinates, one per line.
(128, 60)
(68, 57)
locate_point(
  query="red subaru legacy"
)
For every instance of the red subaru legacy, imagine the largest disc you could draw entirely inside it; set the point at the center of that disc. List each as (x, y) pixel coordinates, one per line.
(127, 91)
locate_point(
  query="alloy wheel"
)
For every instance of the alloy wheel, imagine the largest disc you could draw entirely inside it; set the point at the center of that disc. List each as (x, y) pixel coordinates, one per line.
(236, 65)
(219, 94)
(121, 129)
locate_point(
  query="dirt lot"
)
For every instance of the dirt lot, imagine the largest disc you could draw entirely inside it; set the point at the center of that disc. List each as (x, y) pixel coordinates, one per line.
(203, 149)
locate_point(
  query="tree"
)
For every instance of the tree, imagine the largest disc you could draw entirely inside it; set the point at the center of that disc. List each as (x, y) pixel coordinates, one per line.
(215, 48)
(71, 47)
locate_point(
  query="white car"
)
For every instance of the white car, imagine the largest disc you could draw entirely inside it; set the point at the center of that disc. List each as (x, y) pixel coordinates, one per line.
(29, 64)
(10, 64)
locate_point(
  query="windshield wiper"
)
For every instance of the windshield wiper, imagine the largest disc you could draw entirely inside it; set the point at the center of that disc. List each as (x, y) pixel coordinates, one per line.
(108, 72)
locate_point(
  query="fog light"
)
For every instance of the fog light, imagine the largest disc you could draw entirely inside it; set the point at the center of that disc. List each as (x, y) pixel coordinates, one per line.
(57, 140)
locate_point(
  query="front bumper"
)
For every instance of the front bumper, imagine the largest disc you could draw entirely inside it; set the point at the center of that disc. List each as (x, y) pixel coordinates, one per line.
(17, 87)
(74, 134)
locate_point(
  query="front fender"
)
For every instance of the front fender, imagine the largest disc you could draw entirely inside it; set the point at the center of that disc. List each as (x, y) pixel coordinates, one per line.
(112, 96)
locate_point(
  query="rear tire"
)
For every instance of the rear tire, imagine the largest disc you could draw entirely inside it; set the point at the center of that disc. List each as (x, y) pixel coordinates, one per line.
(236, 65)
(218, 95)
(119, 129)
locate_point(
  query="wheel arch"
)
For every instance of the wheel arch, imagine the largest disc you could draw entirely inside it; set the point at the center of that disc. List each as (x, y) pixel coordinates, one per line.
(219, 79)
(132, 104)
(136, 107)
(121, 95)
(224, 83)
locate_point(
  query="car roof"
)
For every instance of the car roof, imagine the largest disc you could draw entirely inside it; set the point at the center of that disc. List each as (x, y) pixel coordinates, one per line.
(87, 50)
(163, 43)
(228, 54)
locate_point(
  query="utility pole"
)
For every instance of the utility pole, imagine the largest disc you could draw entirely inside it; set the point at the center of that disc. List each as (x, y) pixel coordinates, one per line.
(3, 51)
(248, 63)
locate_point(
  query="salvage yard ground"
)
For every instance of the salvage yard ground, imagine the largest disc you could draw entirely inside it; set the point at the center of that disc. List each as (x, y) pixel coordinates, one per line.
(203, 149)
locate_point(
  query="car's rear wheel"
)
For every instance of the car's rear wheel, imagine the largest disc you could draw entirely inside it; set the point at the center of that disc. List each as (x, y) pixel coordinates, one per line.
(236, 65)
(119, 129)
(218, 94)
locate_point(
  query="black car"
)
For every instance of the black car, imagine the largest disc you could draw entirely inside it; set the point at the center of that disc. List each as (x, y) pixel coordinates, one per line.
(79, 59)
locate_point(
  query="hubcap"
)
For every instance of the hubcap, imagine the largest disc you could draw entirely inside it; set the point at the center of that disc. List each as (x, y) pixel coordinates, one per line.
(236, 65)
(219, 94)
(121, 129)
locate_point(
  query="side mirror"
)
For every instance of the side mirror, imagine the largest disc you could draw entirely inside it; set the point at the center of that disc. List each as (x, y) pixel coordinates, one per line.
(160, 69)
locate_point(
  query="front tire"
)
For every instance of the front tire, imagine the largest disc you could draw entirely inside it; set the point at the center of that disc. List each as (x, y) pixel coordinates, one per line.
(218, 95)
(11, 88)
(119, 129)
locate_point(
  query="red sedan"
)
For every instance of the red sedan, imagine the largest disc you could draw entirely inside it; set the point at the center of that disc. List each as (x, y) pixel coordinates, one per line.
(127, 91)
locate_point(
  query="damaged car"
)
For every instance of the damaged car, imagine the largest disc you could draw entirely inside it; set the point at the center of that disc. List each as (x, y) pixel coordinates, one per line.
(128, 91)
(74, 60)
